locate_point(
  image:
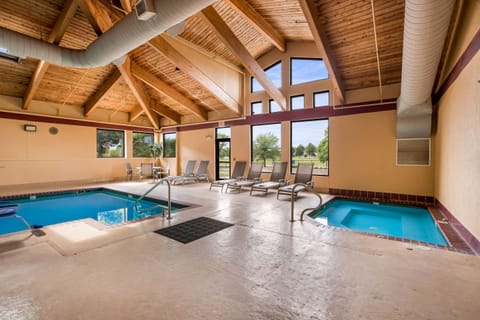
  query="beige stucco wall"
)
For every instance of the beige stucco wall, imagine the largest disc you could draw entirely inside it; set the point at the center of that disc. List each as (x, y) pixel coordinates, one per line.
(70, 155)
(457, 148)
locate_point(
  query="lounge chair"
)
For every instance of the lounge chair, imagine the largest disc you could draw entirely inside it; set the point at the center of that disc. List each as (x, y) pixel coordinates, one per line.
(237, 174)
(146, 170)
(253, 177)
(277, 179)
(200, 175)
(188, 172)
(303, 175)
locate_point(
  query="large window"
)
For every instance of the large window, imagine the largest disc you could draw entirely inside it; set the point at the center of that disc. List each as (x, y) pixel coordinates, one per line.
(274, 72)
(256, 107)
(142, 143)
(310, 144)
(306, 69)
(297, 102)
(169, 145)
(110, 143)
(321, 99)
(266, 142)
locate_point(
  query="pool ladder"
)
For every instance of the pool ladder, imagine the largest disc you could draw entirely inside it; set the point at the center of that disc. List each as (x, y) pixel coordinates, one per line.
(168, 207)
(292, 201)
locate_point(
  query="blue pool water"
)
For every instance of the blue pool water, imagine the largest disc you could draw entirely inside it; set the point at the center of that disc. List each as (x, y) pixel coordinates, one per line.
(412, 223)
(103, 205)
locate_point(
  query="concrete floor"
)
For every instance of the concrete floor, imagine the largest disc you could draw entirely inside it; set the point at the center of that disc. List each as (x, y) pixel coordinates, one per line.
(264, 267)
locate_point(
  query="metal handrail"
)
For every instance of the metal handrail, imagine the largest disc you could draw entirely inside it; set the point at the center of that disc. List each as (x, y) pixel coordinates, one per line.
(169, 201)
(292, 201)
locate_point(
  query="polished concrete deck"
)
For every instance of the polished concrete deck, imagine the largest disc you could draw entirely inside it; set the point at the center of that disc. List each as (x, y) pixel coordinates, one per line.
(264, 267)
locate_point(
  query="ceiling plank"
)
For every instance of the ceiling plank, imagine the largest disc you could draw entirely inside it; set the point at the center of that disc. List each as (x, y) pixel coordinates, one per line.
(138, 92)
(258, 22)
(55, 36)
(165, 111)
(101, 93)
(312, 16)
(113, 13)
(224, 32)
(164, 88)
(162, 46)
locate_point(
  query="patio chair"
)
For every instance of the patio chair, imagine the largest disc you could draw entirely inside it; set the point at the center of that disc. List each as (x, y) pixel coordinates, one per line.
(303, 175)
(237, 174)
(129, 171)
(200, 175)
(277, 179)
(188, 172)
(253, 177)
(146, 170)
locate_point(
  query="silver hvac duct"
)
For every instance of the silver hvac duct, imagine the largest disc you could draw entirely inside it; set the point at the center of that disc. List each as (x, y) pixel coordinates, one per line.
(124, 36)
(425, 31)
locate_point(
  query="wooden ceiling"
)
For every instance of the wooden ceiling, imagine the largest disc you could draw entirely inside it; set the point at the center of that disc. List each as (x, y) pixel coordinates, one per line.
(155, 86)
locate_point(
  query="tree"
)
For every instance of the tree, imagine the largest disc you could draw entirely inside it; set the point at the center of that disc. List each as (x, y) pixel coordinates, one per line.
(310, 150)
(299, 150)
(266, 147)
(323, 148)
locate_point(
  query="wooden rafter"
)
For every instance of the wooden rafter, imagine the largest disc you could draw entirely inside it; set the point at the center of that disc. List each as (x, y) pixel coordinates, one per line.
(126, 5)
(162, 46)
(135, 113)
(101, 93)
(112, 12)
(250, 63)
(138, 92)
(166, 89)
(164, 111)
(256, 20)
(313, 19)
(55, 36)
(96, 15)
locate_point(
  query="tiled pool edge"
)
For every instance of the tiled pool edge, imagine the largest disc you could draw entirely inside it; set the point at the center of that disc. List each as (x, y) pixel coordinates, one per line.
(459, 243)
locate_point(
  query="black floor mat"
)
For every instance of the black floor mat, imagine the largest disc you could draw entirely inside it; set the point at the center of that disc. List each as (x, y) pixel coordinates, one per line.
(193, 229)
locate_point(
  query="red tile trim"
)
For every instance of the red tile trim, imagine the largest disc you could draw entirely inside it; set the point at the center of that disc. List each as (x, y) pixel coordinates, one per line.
(405, 199)
(469, 238)
(462, 62)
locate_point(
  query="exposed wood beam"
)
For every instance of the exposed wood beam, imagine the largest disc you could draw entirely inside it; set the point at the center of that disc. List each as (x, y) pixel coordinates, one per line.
(126, 5)
(66, 16)
(135, 113)
(138, 92)
(162, 46)
(164, 88)
(113, 13)
(313, 19)
(256, 20)
(96, 15)
(55, 36)
(236, 47)
(101, 93)
(165, 111)
(37, 77)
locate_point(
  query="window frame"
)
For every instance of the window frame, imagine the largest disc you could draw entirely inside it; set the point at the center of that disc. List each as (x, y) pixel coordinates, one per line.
(296, 96)
(165, 155)
(256, 103)
(266, 70)
(328, 140)
(304, 58)
(321, 92)
(270, 101)
(122, 139)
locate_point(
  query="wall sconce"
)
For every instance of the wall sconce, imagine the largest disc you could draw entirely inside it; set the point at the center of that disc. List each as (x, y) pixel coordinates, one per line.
(30, 127)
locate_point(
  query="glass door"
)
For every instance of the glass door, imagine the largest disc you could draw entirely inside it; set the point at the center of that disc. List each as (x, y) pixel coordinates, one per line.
(222, 153)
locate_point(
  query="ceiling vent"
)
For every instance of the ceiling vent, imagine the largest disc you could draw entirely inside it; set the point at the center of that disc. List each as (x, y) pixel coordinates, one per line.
(145, 9)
